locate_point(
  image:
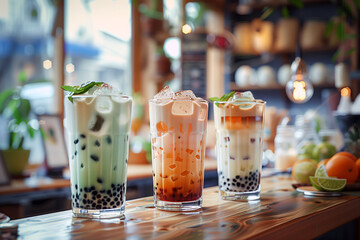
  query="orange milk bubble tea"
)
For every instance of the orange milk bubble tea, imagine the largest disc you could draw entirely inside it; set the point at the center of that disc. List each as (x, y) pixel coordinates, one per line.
(239, 124)
(178, 131)
(97, 126)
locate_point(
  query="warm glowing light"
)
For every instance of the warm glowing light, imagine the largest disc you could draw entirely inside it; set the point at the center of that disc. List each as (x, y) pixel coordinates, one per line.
(346, 91)
(299, 93)
(47, 64)
(186, 29)
(70, 68)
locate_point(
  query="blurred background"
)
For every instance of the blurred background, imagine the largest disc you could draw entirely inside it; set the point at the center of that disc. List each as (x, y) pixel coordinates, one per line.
(140, 46)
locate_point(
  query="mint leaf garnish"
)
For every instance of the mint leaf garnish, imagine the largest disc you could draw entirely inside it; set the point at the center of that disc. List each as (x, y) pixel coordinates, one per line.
(77, 90)
(224, 98)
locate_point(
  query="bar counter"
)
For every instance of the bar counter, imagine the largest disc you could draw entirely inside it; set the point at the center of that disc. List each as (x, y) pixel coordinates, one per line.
(281, 213)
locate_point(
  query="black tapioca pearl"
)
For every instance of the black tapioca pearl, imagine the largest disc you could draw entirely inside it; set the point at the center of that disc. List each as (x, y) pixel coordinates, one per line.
(252, 140)
(83, 147)
(98, 196)
(108, 139)
(99, 180)
(155, 188)
(220, 173)
(112, 185)
(108, 200)
(116, 199)
(228, 184)
(76, 141)
(242, 185)
(233, 184)
(118, 189)
(228, 179)
(234, 180)
(77, 205)
(108, 192)
(77, 196)
(82, 165)
(98, 206)
(75, 153)
(89, 201)
(97, 143)
(84, 201)
(76, 186)
(94, 192)
(223, 177)
(86, 189)
(104, 203)
(102, 191)
(238, 184)
(246, 182)
(112, 203)
(85, 195)
(94, 157)
(251, 183)
(81, 189)
(246, 177)
(93, 198)
(237, 176)
(118, 203)
(114, 168)
(82, 135)
(126, 161)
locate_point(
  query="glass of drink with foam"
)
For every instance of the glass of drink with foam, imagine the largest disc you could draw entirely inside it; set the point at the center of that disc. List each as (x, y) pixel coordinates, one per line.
(97, 125)
(239, 124)
(178, 124)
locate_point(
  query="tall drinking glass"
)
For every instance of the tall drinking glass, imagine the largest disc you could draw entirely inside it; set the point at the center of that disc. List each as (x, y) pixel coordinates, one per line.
(178, 131)
(97, 134)
(239, 127)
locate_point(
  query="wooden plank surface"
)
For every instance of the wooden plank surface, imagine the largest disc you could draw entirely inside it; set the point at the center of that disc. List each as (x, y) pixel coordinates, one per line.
(281, 213)
(135, 171)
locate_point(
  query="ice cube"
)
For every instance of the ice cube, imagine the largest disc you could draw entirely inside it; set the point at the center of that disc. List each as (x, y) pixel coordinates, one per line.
(96, 123)
(186, 94)
(182, 108)
(165, 93)
(243, 96)
(104, 89)
(103, 104)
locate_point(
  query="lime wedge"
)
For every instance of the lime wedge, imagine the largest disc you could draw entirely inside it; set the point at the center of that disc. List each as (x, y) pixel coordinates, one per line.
(315, 183)
(321, 171)
(331, 184)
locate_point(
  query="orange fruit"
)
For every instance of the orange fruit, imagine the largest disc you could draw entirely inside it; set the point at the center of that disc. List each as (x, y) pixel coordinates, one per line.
(358, 167)
(341, 166)
(347, 154)
(324, 161)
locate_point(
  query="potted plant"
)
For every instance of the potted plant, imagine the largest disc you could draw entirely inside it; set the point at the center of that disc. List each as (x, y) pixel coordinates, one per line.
(151, 18)
(16, 110)
(163, 63)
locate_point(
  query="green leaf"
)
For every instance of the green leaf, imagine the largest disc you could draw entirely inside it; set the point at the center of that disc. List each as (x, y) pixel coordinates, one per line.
(83, 88)
(357, 3)
(329, 28)
(22, 77)
(5, 97)
(351, 36)
(349, 52)
(340, 31)
(30, 130)
(24, 108)
(227, 96)
(68, 88)
(285, 12)
(297, 3)
(267, 11)
(336, 55)
(213, 99)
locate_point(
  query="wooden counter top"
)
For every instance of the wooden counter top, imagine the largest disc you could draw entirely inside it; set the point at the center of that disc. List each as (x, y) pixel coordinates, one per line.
(135, 171)
(281, 213)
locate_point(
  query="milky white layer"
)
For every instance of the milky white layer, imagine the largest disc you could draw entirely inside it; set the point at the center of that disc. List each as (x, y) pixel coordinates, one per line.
(109, 144)
(239, 151)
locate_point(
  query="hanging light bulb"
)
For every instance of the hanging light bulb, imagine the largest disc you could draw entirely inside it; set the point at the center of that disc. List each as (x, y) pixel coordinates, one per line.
(298, 88)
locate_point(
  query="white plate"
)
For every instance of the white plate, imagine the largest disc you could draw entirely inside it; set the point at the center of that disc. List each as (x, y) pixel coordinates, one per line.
(311, 191)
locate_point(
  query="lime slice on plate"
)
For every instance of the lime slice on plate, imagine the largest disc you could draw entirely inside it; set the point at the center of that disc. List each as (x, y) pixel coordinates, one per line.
(331, 184)
(321, 171)
(315, 183)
